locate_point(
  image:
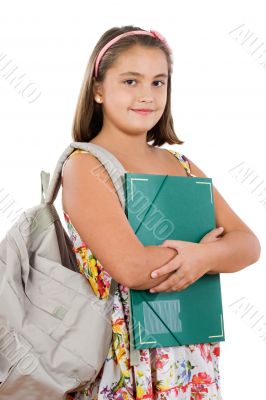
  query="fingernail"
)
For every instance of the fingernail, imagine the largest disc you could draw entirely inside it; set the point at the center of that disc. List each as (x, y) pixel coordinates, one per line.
(221, 228)
(154, 275)
(152, 291)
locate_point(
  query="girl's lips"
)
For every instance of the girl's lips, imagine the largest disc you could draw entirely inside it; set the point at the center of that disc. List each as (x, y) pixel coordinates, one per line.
(143, 112)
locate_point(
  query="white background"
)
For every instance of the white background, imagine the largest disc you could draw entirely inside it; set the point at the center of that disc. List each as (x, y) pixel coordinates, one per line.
(218, 97)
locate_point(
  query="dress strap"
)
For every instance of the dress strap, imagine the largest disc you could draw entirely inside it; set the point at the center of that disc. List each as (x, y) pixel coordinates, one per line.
(184, 162)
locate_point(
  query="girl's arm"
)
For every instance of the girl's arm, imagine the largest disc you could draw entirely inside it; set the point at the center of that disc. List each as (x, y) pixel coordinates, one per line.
(238, 248)
(235, 251)
(91, 201)
(94, 208)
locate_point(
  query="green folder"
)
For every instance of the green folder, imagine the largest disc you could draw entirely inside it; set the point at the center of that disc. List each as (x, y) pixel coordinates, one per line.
(161, 207)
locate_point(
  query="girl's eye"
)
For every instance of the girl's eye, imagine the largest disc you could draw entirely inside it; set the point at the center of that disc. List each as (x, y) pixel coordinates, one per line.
(162, 83)
(134, 80)
(129, 80)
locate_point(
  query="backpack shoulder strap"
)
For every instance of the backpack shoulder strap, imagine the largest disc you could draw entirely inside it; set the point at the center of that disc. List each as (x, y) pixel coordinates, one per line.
(113, 166)
(49, 190)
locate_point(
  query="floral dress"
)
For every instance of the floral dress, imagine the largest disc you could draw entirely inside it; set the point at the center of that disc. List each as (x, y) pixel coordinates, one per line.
(188, 372)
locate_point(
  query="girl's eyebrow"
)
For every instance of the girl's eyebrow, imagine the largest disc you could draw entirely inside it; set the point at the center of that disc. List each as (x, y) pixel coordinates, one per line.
(138, 74)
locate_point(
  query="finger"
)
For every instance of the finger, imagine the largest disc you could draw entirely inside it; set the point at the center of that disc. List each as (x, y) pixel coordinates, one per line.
(181, 285)
(161, 288)
(170, 243)
(212, 235)
(168, 285)
(215, 233)
(165, 269)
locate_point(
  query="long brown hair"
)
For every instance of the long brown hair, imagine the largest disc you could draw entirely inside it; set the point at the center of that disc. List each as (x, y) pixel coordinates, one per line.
(88, 118)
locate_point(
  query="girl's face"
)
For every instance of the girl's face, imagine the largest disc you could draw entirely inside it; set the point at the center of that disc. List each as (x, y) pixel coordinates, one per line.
(137, 80)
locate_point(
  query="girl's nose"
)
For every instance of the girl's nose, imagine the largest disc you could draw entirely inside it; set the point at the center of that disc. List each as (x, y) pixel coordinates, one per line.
(147, 97)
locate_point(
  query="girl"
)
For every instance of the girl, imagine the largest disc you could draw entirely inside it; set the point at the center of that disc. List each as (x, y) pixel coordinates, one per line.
(124, 104)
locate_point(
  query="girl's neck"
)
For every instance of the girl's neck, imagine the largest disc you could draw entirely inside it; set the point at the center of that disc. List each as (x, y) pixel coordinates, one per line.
(136, 146)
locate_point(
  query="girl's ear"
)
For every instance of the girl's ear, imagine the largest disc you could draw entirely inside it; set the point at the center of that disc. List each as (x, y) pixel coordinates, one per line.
(96, 87)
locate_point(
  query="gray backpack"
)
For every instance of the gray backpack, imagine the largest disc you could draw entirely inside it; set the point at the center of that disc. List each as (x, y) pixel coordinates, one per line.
(49, 316)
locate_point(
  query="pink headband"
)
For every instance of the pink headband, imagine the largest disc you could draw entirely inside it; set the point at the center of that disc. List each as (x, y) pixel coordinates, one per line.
(155, 34)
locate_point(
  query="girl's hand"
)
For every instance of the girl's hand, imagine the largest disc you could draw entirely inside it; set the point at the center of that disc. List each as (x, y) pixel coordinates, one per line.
(188, 265)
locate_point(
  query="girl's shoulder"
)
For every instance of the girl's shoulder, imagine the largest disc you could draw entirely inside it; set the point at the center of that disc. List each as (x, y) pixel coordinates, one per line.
(181, 158)
(70, 155)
